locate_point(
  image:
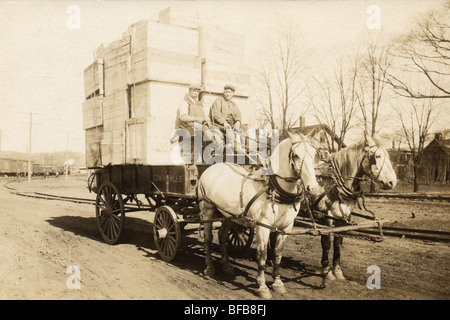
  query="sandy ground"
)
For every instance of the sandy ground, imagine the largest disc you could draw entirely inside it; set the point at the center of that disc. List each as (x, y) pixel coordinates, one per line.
(41, 239)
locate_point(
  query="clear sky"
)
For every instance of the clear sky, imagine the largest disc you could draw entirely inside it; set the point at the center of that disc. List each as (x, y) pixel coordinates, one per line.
(42, 59)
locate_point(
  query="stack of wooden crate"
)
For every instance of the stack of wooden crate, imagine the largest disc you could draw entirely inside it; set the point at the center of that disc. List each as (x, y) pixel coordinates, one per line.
(223, 56)
(136, 84)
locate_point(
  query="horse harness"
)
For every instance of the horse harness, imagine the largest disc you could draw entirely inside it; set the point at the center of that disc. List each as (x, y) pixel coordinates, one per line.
(342, 191)
(271, 187)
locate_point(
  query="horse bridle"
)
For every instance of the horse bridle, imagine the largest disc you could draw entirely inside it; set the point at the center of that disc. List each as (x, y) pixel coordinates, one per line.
(372, 160)
(283, 195)
(297, 173)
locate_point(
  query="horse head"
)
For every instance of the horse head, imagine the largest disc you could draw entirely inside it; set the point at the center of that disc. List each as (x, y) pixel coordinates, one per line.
(377, 164)
(294, 158)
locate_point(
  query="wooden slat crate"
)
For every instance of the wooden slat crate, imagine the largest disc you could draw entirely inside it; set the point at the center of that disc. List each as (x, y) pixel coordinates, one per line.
(148, 34)
(165, 66)
(93, 79)
(92, 112)
(93, 137)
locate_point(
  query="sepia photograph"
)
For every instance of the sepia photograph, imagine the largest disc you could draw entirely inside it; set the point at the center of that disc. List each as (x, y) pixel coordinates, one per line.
(223, 155)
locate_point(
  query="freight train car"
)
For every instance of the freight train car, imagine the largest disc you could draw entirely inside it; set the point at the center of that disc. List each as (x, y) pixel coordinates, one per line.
(13, 167)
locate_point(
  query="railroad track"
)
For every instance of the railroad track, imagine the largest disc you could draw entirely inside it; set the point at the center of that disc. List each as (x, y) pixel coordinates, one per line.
(427, 197)
(368, 233)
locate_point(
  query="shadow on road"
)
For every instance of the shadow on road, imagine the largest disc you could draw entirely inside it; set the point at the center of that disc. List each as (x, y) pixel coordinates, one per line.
(138, 232)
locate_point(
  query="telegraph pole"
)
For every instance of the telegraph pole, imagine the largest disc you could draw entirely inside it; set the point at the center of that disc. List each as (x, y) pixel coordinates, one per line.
(67, 156)
(29, 149)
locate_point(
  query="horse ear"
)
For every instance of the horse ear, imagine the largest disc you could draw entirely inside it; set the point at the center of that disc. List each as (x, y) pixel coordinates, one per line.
(367, 139)
(310, 135)
(294, 136)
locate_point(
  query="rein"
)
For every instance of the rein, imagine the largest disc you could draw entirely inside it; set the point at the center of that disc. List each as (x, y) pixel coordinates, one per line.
(272, 187)
(342, 191)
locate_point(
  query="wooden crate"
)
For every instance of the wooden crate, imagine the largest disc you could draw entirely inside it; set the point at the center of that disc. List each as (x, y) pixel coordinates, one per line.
(148, 34)
(215, 75)
(116, 78)
(117, 51)
(93, 78)
(115, 110)
(147, 142)
(92, 112)
(136, 147)
(165, 66)
(219, 45)
(157, 99)
(93, 137)
(179, 18)
(113, 147)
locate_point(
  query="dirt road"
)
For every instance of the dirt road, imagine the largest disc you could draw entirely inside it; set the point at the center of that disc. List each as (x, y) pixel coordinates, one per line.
(41, 239)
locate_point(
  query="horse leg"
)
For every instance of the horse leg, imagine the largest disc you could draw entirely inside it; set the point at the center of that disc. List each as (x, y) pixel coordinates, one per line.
(326, 246)
(337, 245)
(261, 257)
(271, 248)
(207, 212)
(223, 235)
(278, 245)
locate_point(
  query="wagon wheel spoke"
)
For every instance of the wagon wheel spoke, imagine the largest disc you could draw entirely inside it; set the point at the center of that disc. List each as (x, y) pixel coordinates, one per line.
(110, 212)
(239, 238)
(167, 233)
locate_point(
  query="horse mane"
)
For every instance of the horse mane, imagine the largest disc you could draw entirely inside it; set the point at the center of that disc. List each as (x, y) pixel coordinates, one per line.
(348, 159)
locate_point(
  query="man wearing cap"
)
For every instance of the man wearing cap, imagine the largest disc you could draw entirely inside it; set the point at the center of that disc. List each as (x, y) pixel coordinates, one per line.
(225, 113)
(190, 114)
(191, 117)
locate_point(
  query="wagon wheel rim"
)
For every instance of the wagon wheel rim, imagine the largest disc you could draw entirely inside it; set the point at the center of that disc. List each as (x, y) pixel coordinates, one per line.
(167, 233)
(239, 238)
(110, 212)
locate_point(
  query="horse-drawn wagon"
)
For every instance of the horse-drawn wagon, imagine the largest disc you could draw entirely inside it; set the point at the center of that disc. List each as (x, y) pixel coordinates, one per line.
(248, 201)
(170, 192)
(128, 116)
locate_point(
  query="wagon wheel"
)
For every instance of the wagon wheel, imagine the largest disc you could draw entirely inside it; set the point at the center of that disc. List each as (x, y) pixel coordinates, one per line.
(110, 212)
(167, 233)
(239, 238)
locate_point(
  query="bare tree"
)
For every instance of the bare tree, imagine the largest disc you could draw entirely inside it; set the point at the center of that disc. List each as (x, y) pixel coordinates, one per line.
(336, 104)
(267, 113)
(424, 53)
(281, 78)
(374, 66)
(372, 86)
(416, 121)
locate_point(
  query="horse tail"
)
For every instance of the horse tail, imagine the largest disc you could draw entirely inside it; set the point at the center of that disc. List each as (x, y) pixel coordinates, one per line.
(201, 189)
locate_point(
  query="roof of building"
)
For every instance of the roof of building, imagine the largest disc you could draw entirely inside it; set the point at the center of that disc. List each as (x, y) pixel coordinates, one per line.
(316, 128)
(444, 144)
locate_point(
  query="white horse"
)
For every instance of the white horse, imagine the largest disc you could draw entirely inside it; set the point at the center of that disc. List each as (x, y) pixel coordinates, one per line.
(270, 202)
(338, 196)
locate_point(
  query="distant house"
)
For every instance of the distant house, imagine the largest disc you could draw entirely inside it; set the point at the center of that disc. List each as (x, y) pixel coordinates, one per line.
(402, 163)
(435, 164)
(323, 138)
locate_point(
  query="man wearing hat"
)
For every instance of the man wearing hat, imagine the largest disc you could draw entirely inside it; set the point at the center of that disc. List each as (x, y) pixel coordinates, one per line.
(226, 115)
(191, 117)
(190, 114)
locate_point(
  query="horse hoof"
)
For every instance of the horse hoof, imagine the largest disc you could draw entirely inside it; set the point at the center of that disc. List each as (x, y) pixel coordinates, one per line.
(278, 287)
(209, 272)
(329, 276)
(264, 293)
(337, 272)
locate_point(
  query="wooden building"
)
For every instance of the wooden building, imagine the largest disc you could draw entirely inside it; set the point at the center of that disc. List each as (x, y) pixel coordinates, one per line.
(435, 164)
(323, 138)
